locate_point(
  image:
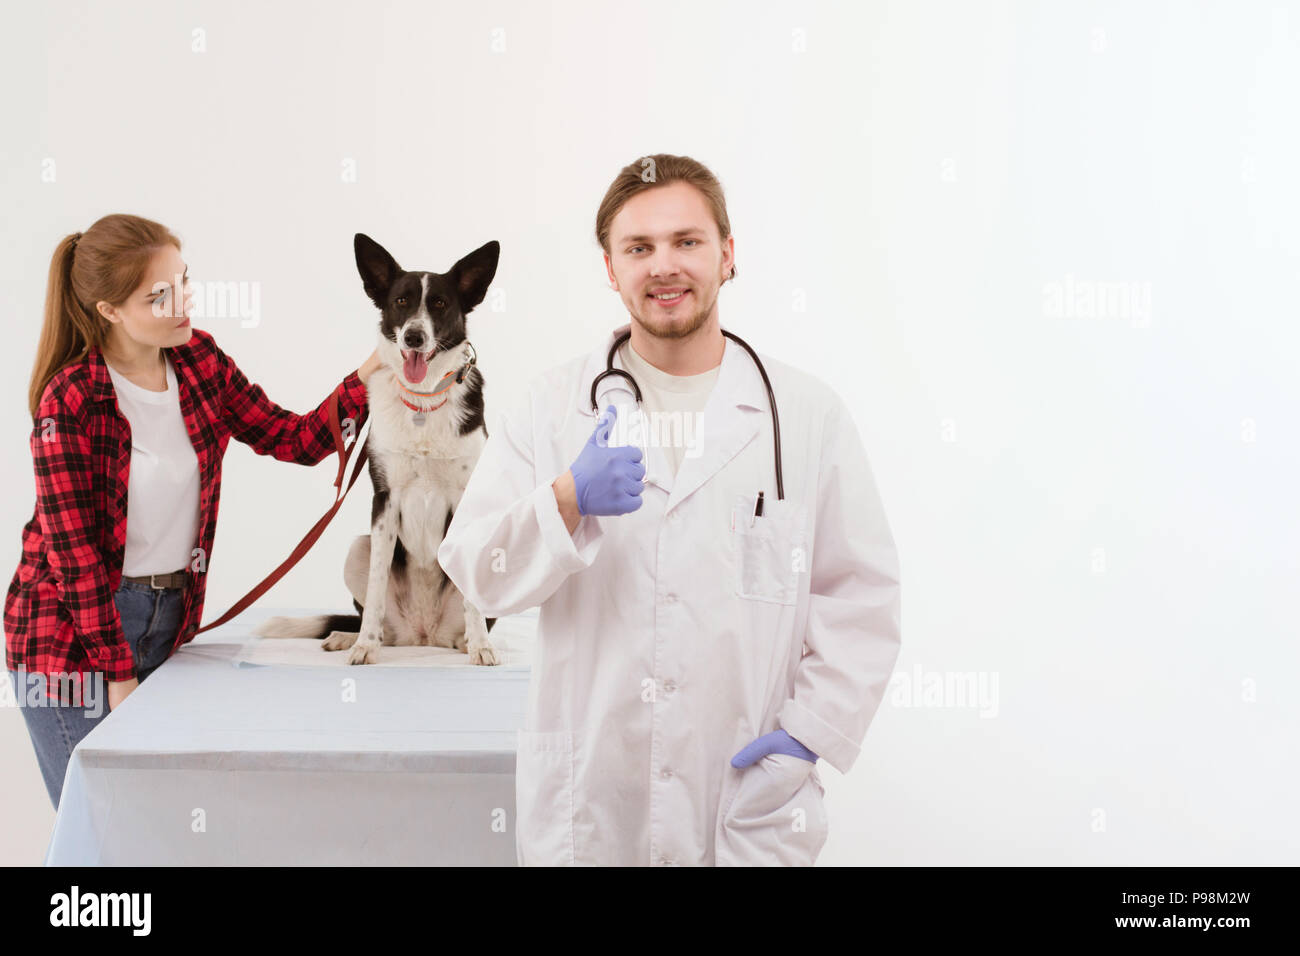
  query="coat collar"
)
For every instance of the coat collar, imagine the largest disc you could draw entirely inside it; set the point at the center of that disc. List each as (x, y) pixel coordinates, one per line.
(730, 419)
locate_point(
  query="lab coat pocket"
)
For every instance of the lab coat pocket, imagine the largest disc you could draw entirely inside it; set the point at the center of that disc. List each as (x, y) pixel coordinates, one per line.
(544, 799)
(776, 815)
(768, 550)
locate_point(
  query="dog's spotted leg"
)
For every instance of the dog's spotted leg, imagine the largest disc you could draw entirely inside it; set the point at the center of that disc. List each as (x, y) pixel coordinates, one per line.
(481, 649)
(383, 539)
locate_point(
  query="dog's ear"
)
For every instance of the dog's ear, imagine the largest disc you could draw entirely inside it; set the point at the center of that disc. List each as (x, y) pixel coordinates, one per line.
(378, 269)
(473, 274)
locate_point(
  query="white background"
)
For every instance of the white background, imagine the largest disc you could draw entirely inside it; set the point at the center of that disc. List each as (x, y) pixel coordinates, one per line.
(1098, 513)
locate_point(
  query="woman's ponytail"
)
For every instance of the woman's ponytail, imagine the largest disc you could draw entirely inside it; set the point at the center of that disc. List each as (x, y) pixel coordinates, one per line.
(62, 338)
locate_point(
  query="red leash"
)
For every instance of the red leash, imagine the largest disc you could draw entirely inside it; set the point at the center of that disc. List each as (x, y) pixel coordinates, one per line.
(305, 545)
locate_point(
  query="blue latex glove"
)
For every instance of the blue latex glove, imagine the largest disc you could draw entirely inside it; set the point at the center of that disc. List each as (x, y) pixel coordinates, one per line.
(777, 742)
(607, 480)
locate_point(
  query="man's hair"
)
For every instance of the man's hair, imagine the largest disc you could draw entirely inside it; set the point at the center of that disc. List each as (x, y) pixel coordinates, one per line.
(661, 169)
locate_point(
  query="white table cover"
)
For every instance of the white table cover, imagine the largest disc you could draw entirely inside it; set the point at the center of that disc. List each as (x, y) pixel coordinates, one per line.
(218, 759)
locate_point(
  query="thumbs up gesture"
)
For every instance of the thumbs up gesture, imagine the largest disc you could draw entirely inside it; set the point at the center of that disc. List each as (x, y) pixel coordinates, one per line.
(607, 480)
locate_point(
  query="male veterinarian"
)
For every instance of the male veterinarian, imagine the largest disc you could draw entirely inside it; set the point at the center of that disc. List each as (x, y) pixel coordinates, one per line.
(693, 659)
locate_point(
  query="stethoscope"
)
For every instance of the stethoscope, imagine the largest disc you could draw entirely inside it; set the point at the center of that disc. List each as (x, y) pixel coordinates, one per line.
(771, 399)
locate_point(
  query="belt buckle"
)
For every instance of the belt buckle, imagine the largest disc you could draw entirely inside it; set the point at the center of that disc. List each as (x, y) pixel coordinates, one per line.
(157, 587)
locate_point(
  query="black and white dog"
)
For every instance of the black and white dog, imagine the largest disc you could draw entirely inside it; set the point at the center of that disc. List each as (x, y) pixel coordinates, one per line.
(426, 434)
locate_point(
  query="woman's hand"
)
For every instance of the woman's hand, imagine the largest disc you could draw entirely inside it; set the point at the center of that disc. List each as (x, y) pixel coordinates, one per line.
(118, 690)
(371, 364)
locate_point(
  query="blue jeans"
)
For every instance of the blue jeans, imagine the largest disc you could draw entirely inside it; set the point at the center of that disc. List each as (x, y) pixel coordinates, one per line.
(150, 620)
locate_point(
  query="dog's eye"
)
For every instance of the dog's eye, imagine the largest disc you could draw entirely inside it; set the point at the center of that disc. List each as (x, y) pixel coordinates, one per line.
(439, 304)
(400, 300)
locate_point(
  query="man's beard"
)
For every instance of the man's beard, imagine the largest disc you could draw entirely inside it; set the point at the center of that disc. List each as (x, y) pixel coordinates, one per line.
(664, 327)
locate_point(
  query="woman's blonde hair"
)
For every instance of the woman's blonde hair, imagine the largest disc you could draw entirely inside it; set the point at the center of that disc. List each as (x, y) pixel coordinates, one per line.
(106, 263)
(661, 169)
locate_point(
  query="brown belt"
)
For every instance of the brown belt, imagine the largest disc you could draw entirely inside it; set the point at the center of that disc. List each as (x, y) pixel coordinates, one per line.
(176, 579)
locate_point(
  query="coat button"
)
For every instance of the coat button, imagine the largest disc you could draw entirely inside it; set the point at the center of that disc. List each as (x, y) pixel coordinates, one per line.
(670, 598)
(669, 687)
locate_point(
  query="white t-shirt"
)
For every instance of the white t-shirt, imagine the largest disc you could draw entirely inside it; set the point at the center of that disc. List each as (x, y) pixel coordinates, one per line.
(162, 505)
(677, 399)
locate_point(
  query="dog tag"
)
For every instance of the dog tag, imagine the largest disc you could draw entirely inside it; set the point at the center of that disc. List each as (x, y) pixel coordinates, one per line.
(418, 418)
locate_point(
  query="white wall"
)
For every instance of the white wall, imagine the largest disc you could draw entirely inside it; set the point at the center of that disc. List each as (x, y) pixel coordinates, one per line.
(1098, 514)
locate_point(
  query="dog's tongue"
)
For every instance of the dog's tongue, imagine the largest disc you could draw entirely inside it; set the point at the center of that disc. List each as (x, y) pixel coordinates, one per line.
(415, 367)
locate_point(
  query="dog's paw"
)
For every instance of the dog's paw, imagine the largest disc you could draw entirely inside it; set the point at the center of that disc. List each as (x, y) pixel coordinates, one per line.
(364, 652)
(339, 640)
(484, 654)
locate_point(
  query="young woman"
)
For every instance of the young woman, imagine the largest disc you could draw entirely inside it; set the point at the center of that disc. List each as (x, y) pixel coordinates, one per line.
(132, 412)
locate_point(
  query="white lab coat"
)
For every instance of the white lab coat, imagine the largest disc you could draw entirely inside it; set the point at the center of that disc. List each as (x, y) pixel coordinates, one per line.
(672, 636)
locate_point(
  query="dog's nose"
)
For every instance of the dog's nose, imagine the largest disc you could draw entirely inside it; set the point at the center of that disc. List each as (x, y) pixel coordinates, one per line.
(414, 339)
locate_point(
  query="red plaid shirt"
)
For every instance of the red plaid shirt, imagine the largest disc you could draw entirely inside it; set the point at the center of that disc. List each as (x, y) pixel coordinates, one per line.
(60, 617)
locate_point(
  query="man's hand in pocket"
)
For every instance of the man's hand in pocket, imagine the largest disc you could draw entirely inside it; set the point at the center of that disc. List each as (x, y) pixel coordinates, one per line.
(777, 742)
